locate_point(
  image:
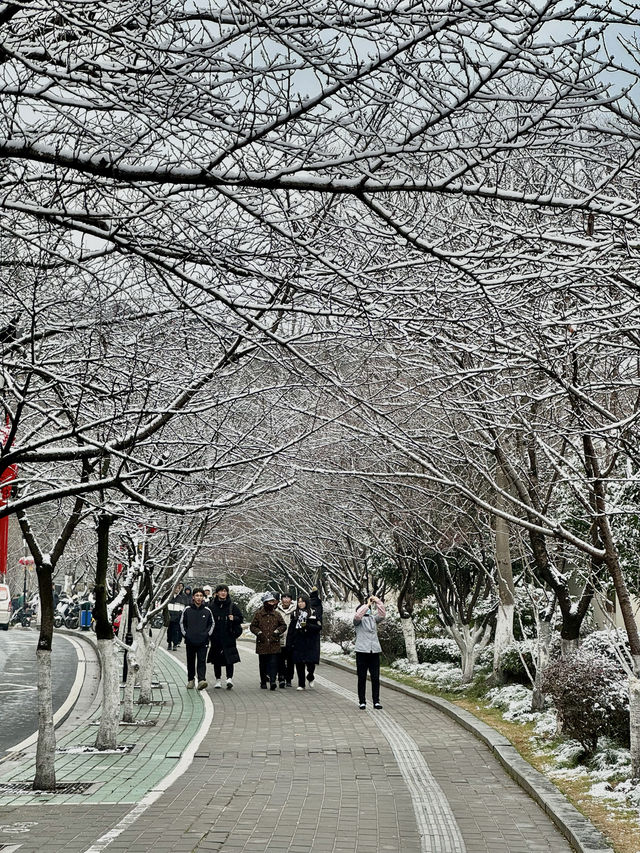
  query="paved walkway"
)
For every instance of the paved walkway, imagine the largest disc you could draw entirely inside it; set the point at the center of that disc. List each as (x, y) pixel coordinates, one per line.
(285, 772)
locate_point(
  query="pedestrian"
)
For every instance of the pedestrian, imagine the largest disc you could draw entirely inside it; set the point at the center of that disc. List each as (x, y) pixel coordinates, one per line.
(227, 618)
(368, 649)
(174, 607)
(268, 625)
(188, 593)
(196, 625)
(286, 608)
(303, 638)
(208, 593)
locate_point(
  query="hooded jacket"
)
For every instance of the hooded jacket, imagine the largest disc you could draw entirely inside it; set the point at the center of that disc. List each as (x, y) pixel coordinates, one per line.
(286, 613)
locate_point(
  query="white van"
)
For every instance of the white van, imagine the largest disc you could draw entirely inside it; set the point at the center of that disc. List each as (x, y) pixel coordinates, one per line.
(5, 606)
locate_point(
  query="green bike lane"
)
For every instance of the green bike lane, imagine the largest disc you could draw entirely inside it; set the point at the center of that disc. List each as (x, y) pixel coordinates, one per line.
(162, 737)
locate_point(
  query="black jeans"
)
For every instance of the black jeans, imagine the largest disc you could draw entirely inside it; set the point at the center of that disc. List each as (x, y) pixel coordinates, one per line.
(268, 665)
(199, 652)
(285, 665)
(368, 662)
(300, 668)
(174, 635)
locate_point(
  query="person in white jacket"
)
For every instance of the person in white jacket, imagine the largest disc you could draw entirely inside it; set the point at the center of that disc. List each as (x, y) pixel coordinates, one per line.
(368, 649)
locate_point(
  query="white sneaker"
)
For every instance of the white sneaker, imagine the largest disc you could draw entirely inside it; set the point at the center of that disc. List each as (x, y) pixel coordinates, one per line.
(299, 688)
(229, 684)
(218, 685)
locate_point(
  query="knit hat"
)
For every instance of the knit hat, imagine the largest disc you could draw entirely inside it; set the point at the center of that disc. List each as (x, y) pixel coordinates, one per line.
(268, 596)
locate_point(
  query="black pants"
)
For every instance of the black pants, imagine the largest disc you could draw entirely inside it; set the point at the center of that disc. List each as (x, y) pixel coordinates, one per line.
(217, 669)
(268, 665)
(368, 662)
(285, 665)
(300, 668)
(199, 652)
(174, 635)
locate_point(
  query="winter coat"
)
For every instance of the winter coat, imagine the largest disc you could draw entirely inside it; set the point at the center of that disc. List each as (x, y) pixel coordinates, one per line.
(267, 625)
(196, 624)
(303, 637)
(175, 606)
(314, 601)
(366, 625)
(225, 631)
(286, 613)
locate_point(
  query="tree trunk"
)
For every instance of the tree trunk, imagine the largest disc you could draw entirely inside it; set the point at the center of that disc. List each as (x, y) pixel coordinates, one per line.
(634, 723)
(409, 634)
(506, 588)
(107, 737)
(503, 637)
(128, 715)
(568, 647)
(146, 659)
(542, 661)
(470, 641)
(45, 778)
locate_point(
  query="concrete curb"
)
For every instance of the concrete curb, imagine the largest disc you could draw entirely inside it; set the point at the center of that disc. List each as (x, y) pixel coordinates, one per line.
(579, 832)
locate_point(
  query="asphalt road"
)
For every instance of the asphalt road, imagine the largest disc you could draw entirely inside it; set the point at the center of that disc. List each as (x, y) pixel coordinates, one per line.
(18, 681)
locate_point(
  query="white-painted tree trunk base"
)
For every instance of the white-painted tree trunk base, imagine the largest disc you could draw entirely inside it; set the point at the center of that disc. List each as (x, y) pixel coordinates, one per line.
(45, 776)
(542, 662)
(409, 634)
(504, 633)
(146, 659)
(634, 723)
(107, 737)
(470, 641)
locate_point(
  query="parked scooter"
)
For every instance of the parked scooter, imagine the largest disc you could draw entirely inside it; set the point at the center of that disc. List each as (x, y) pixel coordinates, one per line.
(22, 616)
(62, 609)
(67, 613)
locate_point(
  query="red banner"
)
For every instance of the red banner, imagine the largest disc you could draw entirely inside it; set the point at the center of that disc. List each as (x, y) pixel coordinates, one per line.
(6, 481)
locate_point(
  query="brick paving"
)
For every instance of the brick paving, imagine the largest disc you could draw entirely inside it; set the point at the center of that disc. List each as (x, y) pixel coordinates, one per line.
(291, 772)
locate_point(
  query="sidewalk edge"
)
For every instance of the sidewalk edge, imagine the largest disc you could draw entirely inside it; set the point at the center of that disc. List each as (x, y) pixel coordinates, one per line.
(576, 828)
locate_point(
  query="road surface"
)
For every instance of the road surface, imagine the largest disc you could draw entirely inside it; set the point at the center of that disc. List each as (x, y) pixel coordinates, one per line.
(18, 681)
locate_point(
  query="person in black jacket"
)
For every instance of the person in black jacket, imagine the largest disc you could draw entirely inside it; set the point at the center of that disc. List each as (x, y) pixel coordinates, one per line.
(196, 625)
(227, 618)
(303, 637)
(174, 607)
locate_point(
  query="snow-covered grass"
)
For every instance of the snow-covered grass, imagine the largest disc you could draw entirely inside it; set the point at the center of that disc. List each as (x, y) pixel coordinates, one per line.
(444, 676)
(605, 777)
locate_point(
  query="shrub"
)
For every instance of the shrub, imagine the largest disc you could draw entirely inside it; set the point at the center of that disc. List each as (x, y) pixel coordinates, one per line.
(342, 633)
(613, 645)
(242, 595)
(589, 697)
(437, 650)
(513, 659)
(391, 640)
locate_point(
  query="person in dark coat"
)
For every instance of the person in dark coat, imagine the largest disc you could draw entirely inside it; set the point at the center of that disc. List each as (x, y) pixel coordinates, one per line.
(196, 625)
(227, 618)
(174, 607)
(268, 625)
(303, 637)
